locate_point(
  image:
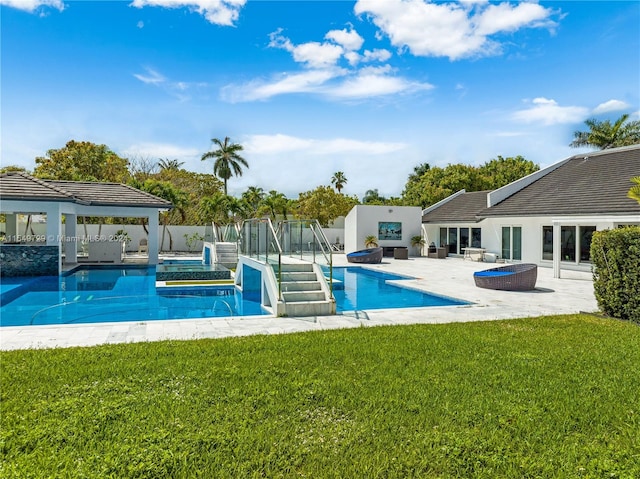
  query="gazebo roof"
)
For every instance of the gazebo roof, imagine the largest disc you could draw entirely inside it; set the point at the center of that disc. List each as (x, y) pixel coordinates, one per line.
(20, 186)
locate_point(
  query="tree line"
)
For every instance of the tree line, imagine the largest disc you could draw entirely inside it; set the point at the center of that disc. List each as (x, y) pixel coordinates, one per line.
(201, 198)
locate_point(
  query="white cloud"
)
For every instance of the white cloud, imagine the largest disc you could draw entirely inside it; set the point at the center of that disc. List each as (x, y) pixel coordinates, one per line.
(279, 143)
(372, 82)
(160, 150)
(312, 54)
(33, 5)
(451, 30)
(548, 112)
(305, 82)
(152, 77)
(349, 39)
(609, 106)
(218, 12)
(505, 17)
(377, 55)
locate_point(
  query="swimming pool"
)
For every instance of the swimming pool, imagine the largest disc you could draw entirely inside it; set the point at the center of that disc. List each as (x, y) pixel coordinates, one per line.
(94, 294)
(106, 294)
(360, 288)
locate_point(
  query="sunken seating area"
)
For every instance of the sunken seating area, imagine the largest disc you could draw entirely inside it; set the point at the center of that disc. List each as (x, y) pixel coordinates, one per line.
(513, 277)
(370, 256)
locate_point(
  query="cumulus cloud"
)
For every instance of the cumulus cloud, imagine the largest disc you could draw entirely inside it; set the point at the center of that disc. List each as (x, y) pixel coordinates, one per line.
(279, 143)
(349, 39)
(218, 12)
(453, 30)
(609, 106)
(331, 69)
(33, 5)
(548, 112)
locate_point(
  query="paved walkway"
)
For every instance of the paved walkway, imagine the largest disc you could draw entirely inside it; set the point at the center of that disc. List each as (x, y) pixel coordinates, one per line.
(449, 277)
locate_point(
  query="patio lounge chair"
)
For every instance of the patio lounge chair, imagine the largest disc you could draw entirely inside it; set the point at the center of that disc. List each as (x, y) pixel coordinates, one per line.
(371, 255)
(513, 277)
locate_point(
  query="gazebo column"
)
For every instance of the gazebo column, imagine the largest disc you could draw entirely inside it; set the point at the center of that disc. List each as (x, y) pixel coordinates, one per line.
(11, 226)
(54, 230)
(71, 238)
(153, 245)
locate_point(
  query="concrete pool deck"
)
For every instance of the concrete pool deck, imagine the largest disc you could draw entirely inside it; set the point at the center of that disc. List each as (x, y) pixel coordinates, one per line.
(448, 277)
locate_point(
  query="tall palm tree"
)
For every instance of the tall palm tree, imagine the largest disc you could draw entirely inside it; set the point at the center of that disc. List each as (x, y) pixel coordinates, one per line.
(167, 164)
(634, 192)
(603, 135)
(227, 160)
(339, 180)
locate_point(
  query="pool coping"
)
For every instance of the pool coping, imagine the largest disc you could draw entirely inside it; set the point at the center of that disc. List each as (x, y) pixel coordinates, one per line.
(572, 294)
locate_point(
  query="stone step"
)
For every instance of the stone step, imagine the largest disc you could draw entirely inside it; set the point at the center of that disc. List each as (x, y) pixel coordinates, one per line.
(296, 276)
(302, 296)
(310, 308)
(301, 286)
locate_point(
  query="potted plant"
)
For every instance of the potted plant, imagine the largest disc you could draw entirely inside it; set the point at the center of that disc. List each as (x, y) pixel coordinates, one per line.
(418, 242)
(371, 241)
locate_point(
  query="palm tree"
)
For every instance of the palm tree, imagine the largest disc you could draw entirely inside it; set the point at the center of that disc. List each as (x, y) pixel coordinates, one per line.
(227, 160)
(167, 164)
(371, 241)
(339, 180)
(603, 135)
(634, 192)
(253, 197)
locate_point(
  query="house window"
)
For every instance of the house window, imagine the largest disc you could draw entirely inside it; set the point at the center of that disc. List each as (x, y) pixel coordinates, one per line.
(464, 238)
(576, 243)
(568, 243)
(512, 242)
(458, 238)
(586, 233)
(476, 237)
(547, 242)
(453, 240)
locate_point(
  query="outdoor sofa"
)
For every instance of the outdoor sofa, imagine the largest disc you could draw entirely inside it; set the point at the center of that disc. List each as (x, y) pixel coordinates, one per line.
(370, 255)
(513, 277)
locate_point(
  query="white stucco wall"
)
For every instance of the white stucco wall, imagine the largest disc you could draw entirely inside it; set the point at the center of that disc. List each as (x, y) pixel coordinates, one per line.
(363, 220)
(531, 233)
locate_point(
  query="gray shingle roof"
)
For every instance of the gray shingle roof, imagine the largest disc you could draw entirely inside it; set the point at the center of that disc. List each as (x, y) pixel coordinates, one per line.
(23, 187)
(463, 208)
(592, 183)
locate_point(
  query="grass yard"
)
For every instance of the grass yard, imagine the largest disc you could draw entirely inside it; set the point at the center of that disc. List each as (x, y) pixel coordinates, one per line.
(534, 398)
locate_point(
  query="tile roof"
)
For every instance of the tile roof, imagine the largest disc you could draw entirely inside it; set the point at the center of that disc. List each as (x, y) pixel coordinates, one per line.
(23, 187)
(463, 208)
(592, 183)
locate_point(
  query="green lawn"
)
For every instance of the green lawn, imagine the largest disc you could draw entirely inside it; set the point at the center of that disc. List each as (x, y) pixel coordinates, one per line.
(533, 398)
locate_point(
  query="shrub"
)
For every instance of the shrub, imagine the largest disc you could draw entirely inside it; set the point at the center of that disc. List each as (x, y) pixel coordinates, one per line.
(616, 275)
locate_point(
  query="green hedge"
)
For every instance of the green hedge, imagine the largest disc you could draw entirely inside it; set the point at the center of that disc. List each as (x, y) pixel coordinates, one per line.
(616, 277)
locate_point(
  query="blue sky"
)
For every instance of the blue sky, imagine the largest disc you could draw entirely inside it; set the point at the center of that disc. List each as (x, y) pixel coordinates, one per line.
(371, 88)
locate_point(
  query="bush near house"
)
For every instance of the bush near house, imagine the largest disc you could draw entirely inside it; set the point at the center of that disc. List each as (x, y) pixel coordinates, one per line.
(616, 277)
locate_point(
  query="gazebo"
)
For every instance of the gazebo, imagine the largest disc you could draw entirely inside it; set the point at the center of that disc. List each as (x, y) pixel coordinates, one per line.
(20, 193)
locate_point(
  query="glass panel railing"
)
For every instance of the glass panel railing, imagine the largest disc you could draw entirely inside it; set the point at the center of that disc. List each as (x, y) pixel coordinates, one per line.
(305, 240)
(258, 240)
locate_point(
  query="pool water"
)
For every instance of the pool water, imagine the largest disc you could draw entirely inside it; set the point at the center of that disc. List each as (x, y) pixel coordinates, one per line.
(357, 288)
(105, 294)
(128, 293)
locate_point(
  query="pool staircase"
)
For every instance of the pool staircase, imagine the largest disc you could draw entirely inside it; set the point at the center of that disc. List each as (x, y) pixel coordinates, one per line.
(290, 281)
(304, 290)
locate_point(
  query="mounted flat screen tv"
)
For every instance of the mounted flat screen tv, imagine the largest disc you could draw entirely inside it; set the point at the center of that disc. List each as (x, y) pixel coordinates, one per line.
(389, 230)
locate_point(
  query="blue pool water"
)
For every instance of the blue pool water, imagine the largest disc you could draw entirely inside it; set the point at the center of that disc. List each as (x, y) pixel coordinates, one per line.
(359, 288)
(105, 294)
(129, 293)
